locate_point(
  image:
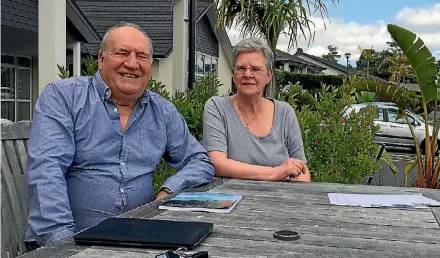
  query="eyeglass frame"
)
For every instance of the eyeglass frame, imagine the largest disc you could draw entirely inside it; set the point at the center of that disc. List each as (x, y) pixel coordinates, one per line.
(261, 70)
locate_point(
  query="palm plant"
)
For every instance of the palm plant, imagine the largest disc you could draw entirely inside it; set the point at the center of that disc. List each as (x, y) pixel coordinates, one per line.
(368, 55)
(399, 68)
(422, 62)
(271, 18)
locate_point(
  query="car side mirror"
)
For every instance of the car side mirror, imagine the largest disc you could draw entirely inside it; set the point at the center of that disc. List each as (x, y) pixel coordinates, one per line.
(416, 123)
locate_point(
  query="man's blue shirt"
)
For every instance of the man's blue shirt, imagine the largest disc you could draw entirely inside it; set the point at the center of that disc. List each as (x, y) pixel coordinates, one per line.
(82, 168)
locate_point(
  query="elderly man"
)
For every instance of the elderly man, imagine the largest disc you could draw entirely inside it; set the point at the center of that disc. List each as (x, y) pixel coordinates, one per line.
(95, 142)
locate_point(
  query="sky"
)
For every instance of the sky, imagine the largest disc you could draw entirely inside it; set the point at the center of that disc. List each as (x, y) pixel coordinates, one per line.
(354, 23)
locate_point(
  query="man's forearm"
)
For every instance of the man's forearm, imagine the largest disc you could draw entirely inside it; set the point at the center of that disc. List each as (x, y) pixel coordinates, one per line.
(198, 170)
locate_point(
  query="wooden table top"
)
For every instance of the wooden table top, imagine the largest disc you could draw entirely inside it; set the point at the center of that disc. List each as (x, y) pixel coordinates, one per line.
(326, 230)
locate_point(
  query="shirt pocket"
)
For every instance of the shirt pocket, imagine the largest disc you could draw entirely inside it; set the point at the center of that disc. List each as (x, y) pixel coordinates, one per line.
(153, 144)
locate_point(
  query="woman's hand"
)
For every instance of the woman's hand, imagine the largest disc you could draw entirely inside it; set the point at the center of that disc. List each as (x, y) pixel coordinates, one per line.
(290, 168)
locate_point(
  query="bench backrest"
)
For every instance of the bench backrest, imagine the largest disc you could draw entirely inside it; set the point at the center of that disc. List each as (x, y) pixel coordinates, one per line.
(14, 193)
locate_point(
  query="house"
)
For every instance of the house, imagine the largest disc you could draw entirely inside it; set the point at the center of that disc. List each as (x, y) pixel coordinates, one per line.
(291, 63)
(332, 67)
(34, 38)
(39, 34)
(166, 23)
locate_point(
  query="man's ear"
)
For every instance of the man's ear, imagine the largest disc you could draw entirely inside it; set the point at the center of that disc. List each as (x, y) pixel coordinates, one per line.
(100, 58)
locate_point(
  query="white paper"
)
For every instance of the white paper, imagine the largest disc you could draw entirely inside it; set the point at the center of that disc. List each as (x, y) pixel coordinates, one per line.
(382, 200)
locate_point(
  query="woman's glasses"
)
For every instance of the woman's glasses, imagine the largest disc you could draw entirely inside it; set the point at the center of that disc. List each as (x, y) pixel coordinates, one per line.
(254, 70)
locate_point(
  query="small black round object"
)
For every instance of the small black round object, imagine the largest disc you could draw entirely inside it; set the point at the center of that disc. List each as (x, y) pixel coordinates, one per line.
(286, 235)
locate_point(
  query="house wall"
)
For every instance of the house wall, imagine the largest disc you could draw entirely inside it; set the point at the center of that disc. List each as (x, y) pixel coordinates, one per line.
(20, 14)
(328, 71)
(206, 41)
(224, 73)
(164, 72)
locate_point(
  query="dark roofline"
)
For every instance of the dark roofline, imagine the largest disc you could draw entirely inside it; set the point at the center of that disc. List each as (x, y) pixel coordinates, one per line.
(293, 58)
(82, 24)
(220, 33)
(332, 64)
(340, 67)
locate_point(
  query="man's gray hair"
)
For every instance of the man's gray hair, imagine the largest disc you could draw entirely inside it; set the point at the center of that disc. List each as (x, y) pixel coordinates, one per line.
(250, 45)
(126, 24)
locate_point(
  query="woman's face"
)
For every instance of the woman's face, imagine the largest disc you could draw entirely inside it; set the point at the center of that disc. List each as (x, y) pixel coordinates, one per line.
(250, 73)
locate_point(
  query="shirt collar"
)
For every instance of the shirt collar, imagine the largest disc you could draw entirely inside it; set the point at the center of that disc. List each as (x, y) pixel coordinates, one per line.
(105, 92)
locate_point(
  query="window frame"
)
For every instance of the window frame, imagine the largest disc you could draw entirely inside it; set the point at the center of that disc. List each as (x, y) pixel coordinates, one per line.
(16, 100)
(200, 75)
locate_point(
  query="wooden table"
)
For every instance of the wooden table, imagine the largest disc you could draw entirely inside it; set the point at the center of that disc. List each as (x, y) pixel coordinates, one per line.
(326, 230)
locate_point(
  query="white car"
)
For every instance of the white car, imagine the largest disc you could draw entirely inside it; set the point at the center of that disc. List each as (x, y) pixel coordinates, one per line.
(394, 130)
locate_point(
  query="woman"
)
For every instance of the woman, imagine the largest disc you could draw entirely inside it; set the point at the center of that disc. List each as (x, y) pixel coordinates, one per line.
(249, 136)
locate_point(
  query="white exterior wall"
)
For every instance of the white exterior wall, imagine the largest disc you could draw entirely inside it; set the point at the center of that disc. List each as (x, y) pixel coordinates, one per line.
(328, 71)
(224, 72)
(51, 40)
(180, 47)
(165, 72)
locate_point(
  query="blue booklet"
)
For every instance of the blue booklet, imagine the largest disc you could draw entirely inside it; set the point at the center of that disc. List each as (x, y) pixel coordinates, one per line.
(202, 201)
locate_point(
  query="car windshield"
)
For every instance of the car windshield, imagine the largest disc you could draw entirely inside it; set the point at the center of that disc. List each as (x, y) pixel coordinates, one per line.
(417, 116)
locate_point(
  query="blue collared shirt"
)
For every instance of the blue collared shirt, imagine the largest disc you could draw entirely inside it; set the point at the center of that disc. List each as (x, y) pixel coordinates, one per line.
(82, 168)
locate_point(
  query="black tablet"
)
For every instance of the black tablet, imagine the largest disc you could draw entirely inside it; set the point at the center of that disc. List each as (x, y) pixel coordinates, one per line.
(145, 233)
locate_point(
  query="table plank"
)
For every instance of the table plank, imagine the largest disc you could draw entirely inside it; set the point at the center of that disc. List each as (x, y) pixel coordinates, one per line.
(326, 230)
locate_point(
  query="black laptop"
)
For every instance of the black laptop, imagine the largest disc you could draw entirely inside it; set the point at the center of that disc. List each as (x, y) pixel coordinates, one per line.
(145, 233)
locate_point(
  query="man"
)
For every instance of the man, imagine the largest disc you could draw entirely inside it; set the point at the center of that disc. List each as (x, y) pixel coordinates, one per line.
(96, 141)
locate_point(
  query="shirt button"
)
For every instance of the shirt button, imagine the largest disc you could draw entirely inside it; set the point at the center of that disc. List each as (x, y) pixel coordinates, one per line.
(115, 110)
(122, 190)
(123, 164)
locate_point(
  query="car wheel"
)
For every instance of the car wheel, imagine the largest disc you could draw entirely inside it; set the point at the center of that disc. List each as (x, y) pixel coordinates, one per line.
(422, 147)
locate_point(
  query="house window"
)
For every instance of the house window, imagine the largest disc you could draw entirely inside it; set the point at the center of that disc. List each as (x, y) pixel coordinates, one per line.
(16, 88)
(205, 64)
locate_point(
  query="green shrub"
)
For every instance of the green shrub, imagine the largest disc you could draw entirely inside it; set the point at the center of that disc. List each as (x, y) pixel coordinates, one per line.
(296, 96)
(310, 82)
(190, 105)
(338, 153)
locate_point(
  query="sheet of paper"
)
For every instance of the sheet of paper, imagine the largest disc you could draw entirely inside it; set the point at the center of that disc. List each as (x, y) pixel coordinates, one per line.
(382, 200)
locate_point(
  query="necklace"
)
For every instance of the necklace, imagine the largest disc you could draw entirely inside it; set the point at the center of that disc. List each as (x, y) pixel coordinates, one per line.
(247, 123)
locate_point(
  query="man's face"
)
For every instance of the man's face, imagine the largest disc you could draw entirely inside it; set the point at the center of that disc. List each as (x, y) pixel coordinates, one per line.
(125, 63)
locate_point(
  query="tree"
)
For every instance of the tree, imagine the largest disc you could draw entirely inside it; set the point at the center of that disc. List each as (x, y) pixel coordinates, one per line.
(400, 68)
(424, 67)
(271, 18)
(367, 55)
(332, 54)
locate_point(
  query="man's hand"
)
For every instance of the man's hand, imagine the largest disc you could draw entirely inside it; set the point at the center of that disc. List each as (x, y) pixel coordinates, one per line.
(161, 195)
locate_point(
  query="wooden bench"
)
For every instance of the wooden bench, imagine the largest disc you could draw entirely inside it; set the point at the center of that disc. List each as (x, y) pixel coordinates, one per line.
(14, 193)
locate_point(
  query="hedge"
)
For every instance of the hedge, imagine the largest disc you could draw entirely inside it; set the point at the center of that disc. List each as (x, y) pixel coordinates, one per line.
(310, 82)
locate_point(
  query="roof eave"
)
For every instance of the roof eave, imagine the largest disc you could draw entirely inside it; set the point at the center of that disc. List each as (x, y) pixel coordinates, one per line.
(82, 24)
(220, 33)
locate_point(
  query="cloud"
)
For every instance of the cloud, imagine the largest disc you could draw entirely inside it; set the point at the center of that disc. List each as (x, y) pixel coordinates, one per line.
(348, 35)
(420, 19)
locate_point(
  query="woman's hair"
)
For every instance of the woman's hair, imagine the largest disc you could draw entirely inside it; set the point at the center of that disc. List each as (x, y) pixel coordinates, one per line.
(126, 24)
(250, 45)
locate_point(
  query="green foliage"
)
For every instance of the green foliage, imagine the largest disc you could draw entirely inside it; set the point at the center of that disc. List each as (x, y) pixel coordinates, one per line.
(296, 96)
(332, 54)
(270, 19)
(91, 65)
(63, 73)
(338, 153)
(365, 96)
(310, 82)
(159, 88)
(190, 105)
(423, 64)
(386, 64)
